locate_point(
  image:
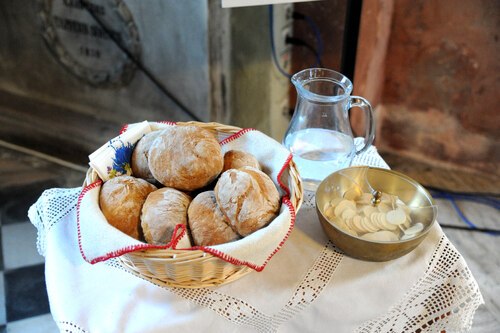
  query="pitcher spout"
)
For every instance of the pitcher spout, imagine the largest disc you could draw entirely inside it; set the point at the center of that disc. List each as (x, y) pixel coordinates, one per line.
(321, 85)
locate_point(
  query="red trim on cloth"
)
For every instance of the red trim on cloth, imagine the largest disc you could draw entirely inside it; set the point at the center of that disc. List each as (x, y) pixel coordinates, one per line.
(286, 201)
(236, 135)
(176, 237)
(167, 122)
(235, 261)
(78, 203)
(124, 129)
(289, 204)
(287, 164)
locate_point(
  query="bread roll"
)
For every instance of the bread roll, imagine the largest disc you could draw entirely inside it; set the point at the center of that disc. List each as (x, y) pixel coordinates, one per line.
(185, 157)
(121, 199)
(139, 160)
(162, 211)
(248, 198)
(235, 159)
(207, 223)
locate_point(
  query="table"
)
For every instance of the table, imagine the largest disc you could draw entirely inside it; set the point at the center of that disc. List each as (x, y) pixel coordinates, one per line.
(308, 286)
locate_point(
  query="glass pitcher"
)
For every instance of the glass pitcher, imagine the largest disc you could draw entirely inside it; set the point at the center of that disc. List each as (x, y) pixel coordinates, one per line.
(320, 135)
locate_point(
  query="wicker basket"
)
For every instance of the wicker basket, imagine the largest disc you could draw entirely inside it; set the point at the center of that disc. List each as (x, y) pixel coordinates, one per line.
(195, 269)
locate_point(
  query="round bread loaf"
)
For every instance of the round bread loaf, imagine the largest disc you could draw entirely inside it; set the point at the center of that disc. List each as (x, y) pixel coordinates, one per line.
(161, 212)
(248, 198)
(185, 157)
(139, 160)
(207, 223)
(235, 159)
(121, 199)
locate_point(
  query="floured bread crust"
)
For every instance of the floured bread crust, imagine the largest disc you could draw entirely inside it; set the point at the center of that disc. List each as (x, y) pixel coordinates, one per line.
(248, 198)
(185, 157)
(235, 159)
(139, 160)
(207, 223)
(161, 212)
(121, 199)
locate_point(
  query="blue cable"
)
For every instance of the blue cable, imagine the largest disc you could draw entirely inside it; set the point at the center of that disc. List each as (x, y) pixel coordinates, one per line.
(317, 33)
(482, 200)
(486, 200)
(314, 28)
(461, 214)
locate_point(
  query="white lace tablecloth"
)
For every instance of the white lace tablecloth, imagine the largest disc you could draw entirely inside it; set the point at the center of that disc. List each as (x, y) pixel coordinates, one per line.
(308, 286)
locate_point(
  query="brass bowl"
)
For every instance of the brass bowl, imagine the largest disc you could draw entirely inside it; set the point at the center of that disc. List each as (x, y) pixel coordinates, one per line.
(386, 181)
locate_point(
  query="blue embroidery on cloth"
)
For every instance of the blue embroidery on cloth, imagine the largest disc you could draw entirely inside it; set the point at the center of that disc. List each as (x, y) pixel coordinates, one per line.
(121, 161)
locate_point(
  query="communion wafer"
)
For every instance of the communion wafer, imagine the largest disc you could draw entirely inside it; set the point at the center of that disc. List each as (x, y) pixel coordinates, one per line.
(396, 216)
(343, 205)
(415, 229)
(388, 221)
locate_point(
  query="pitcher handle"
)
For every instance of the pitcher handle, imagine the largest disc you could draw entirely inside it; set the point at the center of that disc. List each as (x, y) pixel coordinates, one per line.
(363, 104)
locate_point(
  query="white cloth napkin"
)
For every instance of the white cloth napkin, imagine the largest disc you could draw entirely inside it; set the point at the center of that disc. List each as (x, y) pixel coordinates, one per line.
(99, 241)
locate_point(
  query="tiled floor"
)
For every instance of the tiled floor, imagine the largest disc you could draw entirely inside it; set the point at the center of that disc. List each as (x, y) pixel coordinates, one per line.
(23, 281)
(24, 306)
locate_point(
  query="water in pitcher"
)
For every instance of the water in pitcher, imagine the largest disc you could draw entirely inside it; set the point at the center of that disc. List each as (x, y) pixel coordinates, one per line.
(318, 152)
